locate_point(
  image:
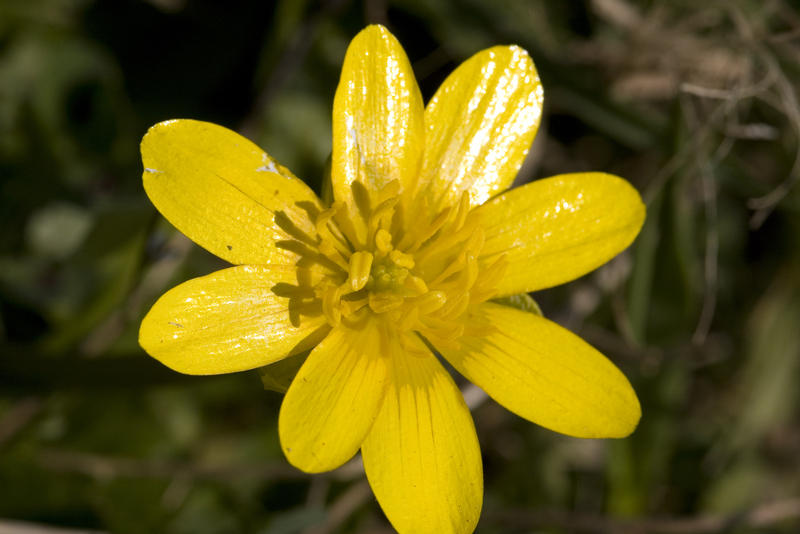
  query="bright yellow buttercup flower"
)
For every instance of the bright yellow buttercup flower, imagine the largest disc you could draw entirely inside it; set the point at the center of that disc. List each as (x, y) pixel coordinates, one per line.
(421, 235)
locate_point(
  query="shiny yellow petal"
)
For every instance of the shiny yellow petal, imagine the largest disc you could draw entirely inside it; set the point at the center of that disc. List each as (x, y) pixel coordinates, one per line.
(377, 116)
(421, 456)
(479, 126)
(546, 374)
(333, 400)
(221, 190)
(227, 321)
(557, 229)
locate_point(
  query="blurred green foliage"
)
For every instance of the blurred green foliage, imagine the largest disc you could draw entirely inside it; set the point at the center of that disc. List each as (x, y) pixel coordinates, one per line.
(694, 102)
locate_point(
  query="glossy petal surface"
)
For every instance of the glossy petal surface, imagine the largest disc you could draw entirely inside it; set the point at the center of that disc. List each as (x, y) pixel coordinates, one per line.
(479, 126)
(227, 321)
(220, 189)
(377, 116)
(334, 399)
(546, 374)
(557, 229)
(421, 456)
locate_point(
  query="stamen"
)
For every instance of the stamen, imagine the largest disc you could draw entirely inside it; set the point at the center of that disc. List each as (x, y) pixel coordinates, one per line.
(390, 190)
(456, 306)
(313, 255)
(485, 286)
(402, 260)
(384, 302)
(433, 227)
(383, 209)
(411, 348)
(383, 241)
(447, 240)
(431, 301)
(410, 320)
(450, 270)
(462, 210)
(470, 272)
(329, 252)
(330, 305)
(359, 269)
(324, 216)
(439, 341)
(390, 260)
(378, 216)
(329, 234)
(353, 234)
(415, 285)
(450, 330)
(349, 307)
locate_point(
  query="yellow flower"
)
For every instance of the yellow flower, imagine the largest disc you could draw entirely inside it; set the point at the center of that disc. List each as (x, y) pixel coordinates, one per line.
(422, 234)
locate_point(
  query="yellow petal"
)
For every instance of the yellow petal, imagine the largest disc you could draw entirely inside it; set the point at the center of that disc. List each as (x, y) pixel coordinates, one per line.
(479, 126)
(221, 190)
(227, 321)
(421, 456)
(333, 400)
(377, 116)
(557, 229)
(546, 374)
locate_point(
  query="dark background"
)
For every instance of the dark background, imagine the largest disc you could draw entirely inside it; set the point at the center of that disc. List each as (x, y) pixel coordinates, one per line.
(694, 102)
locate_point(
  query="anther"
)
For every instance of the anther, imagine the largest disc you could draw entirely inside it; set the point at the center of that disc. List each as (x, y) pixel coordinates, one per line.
(401, 260)
(383, 302)
(383, 241)
(462, 210)
(415, 285)
(330, 305)
(431, 301)
(360, 266)
(429, 231)
(392, 189)
(324, 217)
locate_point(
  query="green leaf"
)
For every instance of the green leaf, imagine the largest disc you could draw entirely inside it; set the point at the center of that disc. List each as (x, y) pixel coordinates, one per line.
(644, 265)
(277, 376)
(522, 301)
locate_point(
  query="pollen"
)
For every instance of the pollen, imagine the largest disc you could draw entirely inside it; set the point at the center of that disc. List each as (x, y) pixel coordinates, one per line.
(415, 269)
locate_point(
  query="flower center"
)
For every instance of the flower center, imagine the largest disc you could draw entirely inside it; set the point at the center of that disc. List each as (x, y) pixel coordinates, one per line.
(387, 276)
(416, 269)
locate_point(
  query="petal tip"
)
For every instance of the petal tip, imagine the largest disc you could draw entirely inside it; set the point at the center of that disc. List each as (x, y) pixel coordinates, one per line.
(300, 455)
(625, 413)
(148, 145)
(519, 52)
(151, 340)
(627, 423)
(160, 127)
(515, 54)
(380, 28)
(376, 31)
(636, 203)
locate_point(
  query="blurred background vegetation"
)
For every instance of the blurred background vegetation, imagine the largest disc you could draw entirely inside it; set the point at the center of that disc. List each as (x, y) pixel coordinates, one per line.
(696, 103)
